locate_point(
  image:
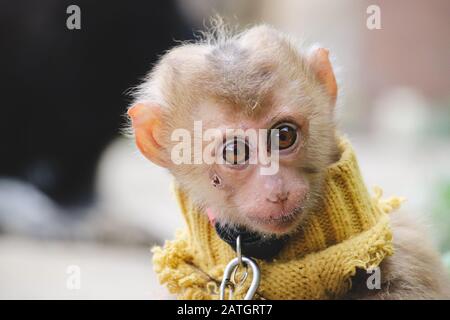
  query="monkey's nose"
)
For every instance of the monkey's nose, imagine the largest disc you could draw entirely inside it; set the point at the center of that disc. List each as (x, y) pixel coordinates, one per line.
(278, 198)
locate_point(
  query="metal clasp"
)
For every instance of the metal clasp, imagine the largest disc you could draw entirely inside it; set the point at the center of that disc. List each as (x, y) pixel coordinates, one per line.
(229, 276)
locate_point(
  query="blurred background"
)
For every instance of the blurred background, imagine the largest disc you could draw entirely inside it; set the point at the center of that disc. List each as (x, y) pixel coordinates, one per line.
(80, 208)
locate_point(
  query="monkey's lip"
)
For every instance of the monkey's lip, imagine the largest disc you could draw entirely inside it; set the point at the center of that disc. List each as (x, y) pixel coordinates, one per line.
(278, 220)
(275, 225)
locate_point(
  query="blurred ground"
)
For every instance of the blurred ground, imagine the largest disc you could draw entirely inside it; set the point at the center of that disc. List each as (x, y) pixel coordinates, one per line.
(32, 269)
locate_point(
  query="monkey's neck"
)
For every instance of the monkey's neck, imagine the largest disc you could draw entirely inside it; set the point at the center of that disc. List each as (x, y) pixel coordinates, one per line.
(348, 230)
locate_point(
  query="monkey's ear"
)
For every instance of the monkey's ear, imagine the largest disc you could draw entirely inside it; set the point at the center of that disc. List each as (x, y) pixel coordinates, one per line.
(147, 126)
(321, 65)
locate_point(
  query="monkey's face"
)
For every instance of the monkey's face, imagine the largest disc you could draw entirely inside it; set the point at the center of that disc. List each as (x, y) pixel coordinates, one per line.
(262, 172)
(259, 176)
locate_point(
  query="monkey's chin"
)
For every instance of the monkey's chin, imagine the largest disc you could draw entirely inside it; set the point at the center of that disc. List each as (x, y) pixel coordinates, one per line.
(279, 226)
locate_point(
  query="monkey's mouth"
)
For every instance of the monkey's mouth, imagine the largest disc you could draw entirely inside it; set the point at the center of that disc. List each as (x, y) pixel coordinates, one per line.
(277, 223)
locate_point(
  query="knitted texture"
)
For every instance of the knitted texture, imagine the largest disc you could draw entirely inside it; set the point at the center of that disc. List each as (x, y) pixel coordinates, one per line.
(348, 230)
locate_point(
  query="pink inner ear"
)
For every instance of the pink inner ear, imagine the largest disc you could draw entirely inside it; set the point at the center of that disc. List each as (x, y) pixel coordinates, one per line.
(324, 71)
(211, 217)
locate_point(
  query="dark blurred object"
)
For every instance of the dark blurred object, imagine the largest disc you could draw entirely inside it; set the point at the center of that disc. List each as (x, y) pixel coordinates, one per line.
(64, 90)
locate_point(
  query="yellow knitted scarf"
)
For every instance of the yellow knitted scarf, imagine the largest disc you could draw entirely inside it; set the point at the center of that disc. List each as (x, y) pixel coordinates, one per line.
(349, 230)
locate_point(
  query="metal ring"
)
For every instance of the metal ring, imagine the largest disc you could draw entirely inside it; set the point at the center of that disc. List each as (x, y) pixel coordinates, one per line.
(256, 277)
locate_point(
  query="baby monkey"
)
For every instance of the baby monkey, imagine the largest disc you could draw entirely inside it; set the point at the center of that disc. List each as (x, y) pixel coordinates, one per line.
(253, 80)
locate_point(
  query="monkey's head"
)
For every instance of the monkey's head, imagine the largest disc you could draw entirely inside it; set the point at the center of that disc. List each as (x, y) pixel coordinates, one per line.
(202, 111)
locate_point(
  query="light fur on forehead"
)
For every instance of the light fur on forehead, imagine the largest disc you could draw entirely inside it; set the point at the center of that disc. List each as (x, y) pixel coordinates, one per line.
(245, 66)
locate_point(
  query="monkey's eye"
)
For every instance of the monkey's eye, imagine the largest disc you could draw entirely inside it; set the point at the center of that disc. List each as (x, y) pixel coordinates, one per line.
(285, 135)
(236, 152)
